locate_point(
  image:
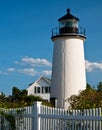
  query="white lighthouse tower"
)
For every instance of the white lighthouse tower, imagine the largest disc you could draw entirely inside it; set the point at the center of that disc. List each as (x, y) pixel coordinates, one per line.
(68, 69)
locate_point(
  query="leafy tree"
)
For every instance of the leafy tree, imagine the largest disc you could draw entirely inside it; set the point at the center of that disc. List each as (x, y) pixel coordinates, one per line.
(3, 99)
(19, 98)
(18, 94)
(99, 86)
(31, 98)
(88, 98)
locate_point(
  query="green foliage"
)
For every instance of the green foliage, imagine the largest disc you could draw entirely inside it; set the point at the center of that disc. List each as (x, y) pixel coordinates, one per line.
(18, 94)
(47, 103)
(9, 117)
(88, 98)
(99, 86)
(31, 98)
(14, 119)
(19, 98)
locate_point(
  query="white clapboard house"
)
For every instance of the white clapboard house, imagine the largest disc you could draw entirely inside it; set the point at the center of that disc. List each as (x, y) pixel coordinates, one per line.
(41, 87)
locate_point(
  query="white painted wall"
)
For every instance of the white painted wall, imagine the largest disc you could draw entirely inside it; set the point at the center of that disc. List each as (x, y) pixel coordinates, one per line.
(68, 70)
(39, 83)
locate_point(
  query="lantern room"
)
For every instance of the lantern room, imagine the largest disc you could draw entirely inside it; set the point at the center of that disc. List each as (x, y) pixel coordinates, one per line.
(68, 23)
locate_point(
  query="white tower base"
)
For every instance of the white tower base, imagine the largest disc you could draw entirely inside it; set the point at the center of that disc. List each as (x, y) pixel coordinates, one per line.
(68, 71)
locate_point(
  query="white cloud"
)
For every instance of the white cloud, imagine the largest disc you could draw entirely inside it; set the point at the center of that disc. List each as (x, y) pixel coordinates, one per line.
(91, 66)
(20, 63)
(30, 66)
(35, 62)
(45, 72)
(10, 69)
(30, 72)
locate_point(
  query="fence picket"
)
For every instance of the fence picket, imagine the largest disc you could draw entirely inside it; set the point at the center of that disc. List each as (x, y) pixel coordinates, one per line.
(39, 117)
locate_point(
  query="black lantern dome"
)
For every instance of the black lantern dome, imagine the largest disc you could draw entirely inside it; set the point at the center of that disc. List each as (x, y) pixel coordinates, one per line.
(68, 16)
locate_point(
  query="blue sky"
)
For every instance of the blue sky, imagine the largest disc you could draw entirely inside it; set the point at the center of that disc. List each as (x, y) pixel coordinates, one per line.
(25, 39)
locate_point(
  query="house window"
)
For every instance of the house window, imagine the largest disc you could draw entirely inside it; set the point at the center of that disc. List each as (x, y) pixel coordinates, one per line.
(49, 89)
(38, 89)
(35, 89)
(43, 89)
(46, 89)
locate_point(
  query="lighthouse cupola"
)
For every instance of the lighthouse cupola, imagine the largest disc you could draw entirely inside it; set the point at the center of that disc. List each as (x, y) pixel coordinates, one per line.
(68, 23)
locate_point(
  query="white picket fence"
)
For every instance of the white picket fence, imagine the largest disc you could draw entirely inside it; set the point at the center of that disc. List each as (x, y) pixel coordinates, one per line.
(39, 117)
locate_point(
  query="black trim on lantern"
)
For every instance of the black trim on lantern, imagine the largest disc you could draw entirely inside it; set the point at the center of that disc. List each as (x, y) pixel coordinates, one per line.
(69, 35)
(56, 32)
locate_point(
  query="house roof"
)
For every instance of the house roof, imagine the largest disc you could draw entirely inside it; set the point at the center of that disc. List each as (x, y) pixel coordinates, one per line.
(47, 80)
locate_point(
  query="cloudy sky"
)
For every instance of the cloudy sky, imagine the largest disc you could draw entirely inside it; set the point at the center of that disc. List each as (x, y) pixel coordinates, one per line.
(25, 39)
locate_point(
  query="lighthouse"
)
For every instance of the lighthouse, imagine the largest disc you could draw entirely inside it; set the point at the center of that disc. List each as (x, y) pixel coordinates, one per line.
(68, 67)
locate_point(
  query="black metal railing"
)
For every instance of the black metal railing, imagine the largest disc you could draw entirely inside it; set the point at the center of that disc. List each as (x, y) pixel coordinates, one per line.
(62, 31)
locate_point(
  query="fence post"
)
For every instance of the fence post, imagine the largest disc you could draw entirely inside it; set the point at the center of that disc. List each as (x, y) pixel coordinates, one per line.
(37, 110)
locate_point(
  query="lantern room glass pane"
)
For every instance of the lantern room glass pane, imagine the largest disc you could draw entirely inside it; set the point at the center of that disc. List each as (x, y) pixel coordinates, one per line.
(69, 23)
